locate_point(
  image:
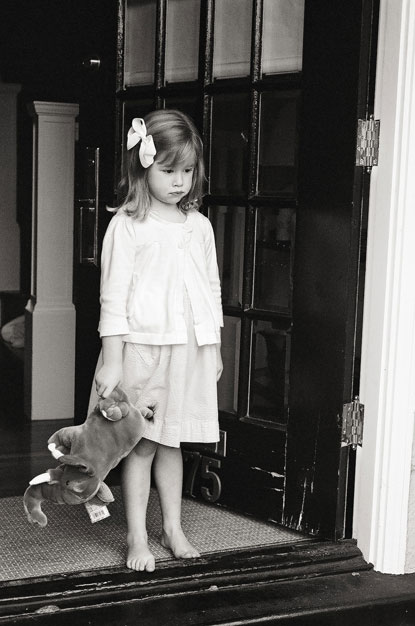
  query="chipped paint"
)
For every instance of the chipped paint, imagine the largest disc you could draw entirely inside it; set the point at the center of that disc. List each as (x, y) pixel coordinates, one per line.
(273, 474)
(300, 517)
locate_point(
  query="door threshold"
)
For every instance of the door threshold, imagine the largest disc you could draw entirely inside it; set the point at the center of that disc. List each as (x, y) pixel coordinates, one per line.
(61, 595)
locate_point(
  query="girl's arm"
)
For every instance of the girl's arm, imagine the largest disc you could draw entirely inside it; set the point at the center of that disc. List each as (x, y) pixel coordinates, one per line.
(212, 268)
(110, 374)
(117, 266)
(213, 273)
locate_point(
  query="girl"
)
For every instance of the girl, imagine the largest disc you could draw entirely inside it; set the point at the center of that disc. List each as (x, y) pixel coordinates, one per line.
(160, 319)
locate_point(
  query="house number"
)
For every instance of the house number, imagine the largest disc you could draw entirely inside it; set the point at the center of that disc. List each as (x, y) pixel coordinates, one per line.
(206, 465)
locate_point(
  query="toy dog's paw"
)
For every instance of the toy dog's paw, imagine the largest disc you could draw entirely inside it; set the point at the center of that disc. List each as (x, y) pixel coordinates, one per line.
(37, 517)
(116, 406)
(32, 507)
(112, 412)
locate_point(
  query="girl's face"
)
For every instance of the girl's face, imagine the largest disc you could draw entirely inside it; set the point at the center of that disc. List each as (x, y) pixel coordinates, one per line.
(169, 184)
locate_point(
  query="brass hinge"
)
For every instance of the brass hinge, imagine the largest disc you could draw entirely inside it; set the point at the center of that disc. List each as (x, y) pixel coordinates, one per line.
(367, 144)
(352, 426)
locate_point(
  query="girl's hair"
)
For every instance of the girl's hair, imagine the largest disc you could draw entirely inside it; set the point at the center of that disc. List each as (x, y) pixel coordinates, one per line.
(176, 139)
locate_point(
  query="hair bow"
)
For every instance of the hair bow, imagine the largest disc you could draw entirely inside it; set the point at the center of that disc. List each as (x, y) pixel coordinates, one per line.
(138, 132)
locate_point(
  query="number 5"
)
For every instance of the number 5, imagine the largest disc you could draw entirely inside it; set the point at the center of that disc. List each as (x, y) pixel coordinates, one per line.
(214, 495)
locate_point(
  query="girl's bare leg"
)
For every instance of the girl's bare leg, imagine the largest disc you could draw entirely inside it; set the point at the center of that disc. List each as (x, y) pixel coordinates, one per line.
(135, 481)
(168, 474)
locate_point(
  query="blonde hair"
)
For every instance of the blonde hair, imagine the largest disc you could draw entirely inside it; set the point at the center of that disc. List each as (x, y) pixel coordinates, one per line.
(176, 139)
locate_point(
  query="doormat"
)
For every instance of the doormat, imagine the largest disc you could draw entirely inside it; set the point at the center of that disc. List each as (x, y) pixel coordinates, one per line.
(71, 543)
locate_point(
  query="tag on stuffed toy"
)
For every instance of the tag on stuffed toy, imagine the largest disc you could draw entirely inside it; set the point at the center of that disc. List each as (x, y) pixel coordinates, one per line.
(96, 513)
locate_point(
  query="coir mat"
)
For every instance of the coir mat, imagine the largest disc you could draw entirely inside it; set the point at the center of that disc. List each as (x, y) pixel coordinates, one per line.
(71, 543)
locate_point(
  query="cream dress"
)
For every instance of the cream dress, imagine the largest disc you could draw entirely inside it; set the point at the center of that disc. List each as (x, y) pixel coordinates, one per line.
(179, 382)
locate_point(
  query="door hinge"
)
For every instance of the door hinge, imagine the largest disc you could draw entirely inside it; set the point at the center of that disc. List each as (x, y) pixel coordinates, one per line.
(367, 144)
(352, 425)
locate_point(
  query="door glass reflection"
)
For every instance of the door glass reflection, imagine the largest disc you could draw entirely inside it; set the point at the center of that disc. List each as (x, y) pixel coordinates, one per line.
(232, 38)
(282, 47)
(273, 263)
(277, 166)
(230, 124)
(229, 226)
(269, 372)
(140, 38)
(182, 40)
(228, 384)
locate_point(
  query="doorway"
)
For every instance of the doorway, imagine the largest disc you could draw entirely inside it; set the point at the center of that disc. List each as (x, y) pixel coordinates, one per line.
(283, 197)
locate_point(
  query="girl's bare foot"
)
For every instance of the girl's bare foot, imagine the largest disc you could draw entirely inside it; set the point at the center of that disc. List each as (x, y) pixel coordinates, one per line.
(178, 544)
(139, 556)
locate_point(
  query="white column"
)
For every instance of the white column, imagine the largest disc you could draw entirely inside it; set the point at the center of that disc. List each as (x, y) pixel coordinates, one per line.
(9, 229)
(50, 313)
(388, 352)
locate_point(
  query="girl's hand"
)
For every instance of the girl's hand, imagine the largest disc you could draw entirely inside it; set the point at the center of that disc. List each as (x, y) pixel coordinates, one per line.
(219, 363)
(107, 378)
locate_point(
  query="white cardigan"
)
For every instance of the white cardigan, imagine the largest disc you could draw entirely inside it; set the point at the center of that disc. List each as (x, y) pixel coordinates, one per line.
(145, 266)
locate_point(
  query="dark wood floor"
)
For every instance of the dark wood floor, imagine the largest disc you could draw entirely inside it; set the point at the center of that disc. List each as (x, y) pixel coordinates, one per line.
(23, 444)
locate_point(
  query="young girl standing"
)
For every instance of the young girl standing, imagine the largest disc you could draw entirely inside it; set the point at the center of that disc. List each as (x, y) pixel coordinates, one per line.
(160, 319)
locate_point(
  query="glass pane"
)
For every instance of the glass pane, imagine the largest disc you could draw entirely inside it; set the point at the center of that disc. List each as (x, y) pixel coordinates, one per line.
(232, 38)
(282, 39)
(228, 383)
(273, 263)
(229, 227)
(269, 372)
(230, 122)
(277, 161)
(187, 105)
(140, 38)
(182, 40)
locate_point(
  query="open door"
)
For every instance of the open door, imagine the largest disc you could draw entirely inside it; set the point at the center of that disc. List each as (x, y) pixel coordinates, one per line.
(276, 89)
(338, 88)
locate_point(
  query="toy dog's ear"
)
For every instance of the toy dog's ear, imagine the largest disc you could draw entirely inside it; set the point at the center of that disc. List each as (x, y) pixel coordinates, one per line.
(76, 461)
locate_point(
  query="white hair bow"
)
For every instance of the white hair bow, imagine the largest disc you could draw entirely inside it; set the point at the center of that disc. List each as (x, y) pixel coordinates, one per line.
(138, 132)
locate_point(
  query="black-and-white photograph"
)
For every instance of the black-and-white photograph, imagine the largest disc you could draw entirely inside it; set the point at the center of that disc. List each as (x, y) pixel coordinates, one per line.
(207, 312)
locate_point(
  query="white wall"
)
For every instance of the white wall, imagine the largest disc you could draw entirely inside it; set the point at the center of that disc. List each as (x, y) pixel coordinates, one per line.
(9, 230)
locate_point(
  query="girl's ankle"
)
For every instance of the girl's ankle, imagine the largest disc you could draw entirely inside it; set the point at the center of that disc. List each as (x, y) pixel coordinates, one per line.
(137, 537)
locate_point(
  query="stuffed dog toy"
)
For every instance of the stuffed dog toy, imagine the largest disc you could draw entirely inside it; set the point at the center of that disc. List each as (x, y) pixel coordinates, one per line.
(87, 453)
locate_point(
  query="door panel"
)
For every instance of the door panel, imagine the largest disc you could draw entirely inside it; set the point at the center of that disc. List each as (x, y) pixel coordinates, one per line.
(329, 254)
(96, 131)
(278, 118)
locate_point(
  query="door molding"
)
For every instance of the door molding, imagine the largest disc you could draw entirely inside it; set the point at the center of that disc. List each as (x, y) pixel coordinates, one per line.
(388, 345)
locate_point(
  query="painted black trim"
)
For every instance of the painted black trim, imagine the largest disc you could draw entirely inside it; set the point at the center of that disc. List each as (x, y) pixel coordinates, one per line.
(29, 599)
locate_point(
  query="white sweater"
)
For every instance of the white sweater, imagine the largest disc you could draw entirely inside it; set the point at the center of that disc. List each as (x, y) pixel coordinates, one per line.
(145, 266)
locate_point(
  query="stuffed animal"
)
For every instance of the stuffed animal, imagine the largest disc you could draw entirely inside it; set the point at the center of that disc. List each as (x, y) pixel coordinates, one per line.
(87, 453)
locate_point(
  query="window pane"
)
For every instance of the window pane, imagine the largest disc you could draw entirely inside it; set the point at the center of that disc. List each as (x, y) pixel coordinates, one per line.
(273, 266)
(282, 48)
(182, 43)
(230, 124)
(277, 162)
(232, 38)
(229, 227)
(228, 383)
(140, 37)
(269, 372)
(187, 105)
